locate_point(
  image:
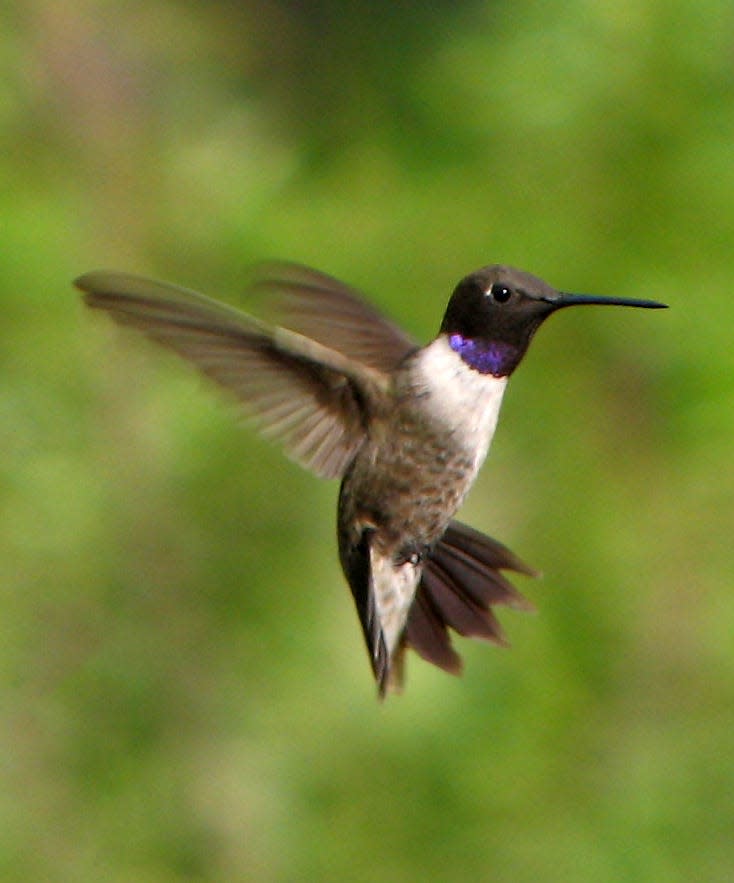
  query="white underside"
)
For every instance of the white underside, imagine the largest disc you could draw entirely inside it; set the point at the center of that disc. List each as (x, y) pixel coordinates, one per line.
(467, 403)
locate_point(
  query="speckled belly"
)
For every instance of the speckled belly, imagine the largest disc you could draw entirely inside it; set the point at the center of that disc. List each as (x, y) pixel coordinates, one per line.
(409, 483)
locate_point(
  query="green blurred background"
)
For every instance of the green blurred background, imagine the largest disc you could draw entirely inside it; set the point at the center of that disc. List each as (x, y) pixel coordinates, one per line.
(184, 694)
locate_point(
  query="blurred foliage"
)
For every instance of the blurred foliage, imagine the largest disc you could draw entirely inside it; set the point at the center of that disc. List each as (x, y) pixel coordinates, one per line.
(184, 694)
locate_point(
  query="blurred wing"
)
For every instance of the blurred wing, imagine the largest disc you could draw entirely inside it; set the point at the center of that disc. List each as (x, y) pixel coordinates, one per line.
(461, 583)
(304, 394)
(328, 311)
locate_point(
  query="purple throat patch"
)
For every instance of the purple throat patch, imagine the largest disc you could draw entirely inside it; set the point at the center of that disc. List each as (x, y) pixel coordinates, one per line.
(488, 357)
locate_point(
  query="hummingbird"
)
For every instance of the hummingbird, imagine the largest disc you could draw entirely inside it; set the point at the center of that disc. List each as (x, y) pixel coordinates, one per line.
(405, 428)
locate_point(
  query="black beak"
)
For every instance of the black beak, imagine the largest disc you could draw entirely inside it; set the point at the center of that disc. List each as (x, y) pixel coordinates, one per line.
(563, 299)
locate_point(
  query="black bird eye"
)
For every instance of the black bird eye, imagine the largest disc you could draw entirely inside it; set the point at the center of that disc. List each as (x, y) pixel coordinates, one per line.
(501, 293)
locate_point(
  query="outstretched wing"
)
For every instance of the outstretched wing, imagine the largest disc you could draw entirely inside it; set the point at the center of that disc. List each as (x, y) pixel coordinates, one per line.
(304, 393)
(330, 312)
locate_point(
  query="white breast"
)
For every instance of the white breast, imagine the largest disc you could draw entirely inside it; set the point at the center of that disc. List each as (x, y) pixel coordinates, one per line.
(459, 396)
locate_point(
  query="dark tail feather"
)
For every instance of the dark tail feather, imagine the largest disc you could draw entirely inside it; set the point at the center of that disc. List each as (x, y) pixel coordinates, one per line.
(458, 607)
(484, 549)
(460, 584)
(426, 633)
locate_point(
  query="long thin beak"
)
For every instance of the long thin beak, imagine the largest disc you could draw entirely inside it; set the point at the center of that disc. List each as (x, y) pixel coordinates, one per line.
(564, 299)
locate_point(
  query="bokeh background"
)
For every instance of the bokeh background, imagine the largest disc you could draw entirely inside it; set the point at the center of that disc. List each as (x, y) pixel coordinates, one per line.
(184, 694)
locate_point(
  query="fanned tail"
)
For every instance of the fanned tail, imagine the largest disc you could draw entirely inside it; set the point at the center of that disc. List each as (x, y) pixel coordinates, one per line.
(461, 582)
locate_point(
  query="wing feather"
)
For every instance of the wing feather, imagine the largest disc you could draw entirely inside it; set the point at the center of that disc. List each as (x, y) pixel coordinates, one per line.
(305, 394)
(330, 312)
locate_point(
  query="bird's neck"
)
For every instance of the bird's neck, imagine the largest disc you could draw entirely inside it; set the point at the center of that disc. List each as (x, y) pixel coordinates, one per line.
(456, 395)
(495, 357)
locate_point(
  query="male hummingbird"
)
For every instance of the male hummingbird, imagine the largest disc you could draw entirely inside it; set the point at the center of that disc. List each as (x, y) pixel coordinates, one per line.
(405, 427)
